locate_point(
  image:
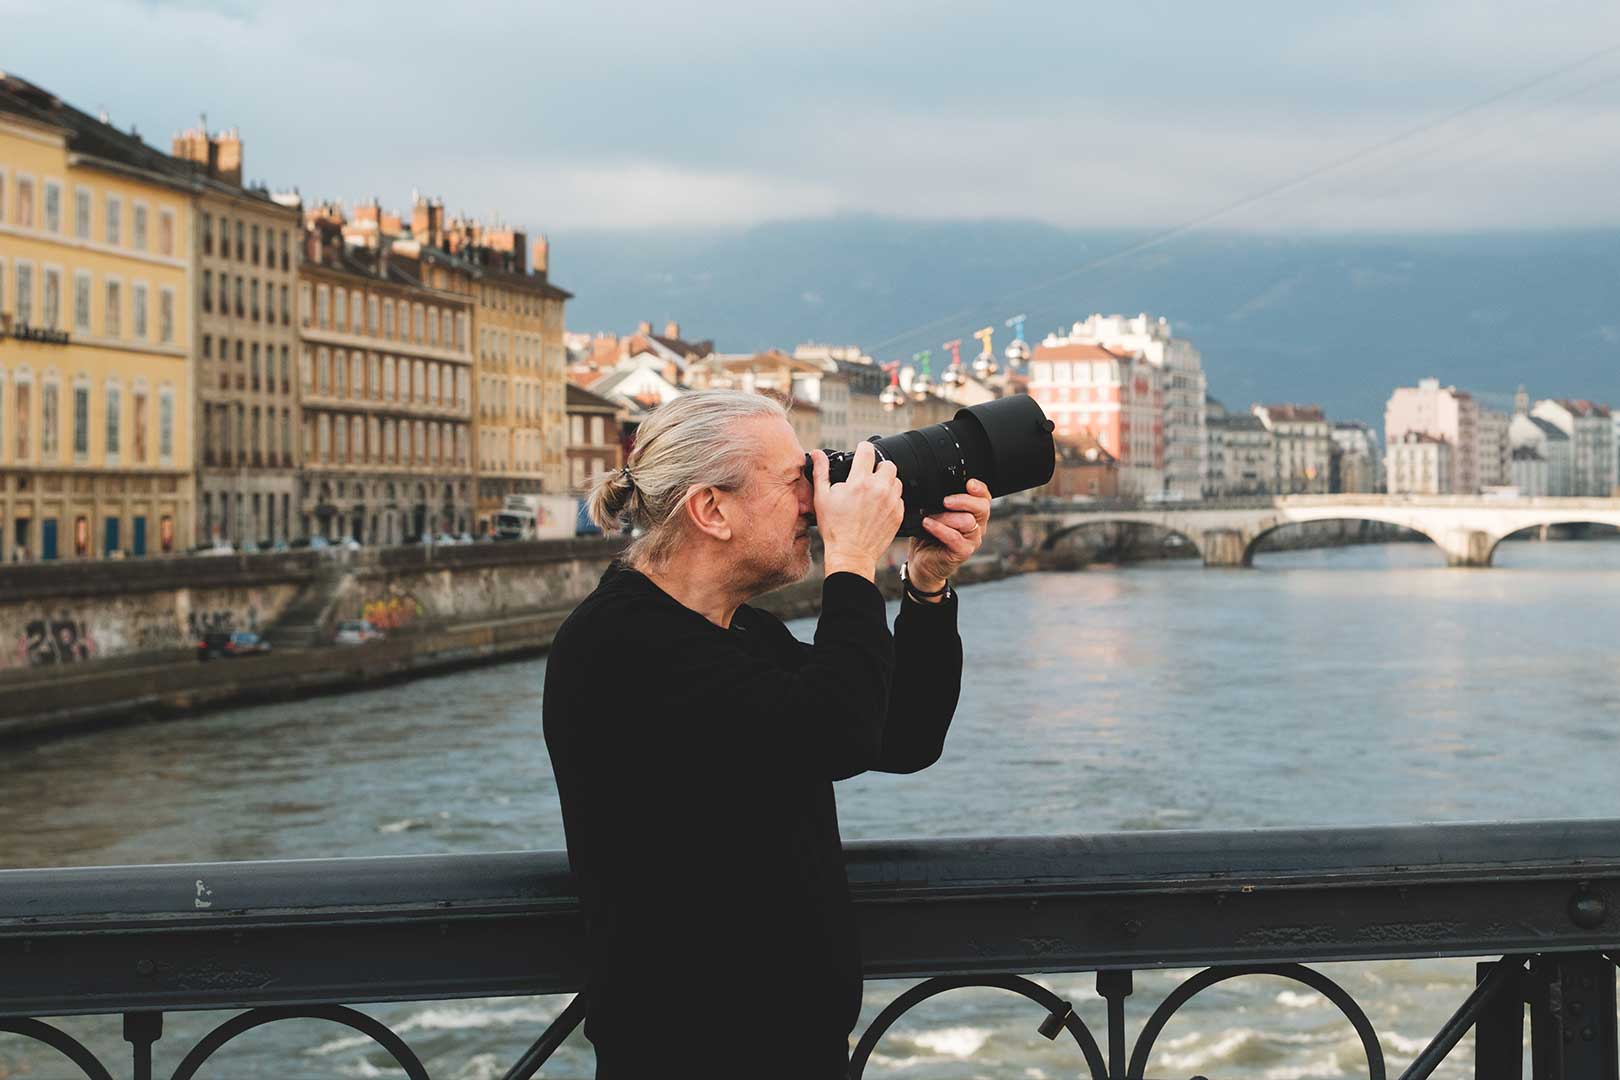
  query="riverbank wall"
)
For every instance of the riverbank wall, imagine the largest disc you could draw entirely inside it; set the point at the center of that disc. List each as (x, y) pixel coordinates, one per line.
(117, 642)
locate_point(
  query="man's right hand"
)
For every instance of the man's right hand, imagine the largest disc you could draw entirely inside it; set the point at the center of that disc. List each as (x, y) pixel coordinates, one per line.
(859, 517)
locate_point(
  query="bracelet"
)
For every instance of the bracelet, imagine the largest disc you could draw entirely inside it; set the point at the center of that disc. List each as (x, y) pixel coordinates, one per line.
(916, 593)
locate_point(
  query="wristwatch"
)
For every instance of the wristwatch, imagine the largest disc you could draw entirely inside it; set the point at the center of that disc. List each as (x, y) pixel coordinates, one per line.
(918, 594)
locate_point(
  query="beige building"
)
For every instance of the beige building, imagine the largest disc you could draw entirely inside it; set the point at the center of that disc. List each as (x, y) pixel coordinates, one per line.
(385, 381)
(96, 284)
(1420, 464)
(246, 409)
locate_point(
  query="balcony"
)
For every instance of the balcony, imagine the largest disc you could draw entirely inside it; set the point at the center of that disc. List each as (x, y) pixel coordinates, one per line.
(306, 938)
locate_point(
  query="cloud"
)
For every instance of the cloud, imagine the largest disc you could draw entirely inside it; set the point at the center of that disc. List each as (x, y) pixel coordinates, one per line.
(639, 113)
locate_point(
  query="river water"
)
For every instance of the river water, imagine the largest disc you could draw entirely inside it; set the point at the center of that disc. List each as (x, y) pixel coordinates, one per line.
(1347, 686)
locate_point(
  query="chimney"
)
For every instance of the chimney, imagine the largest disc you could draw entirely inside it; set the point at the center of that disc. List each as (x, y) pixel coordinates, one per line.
(672, 329)
(643, 327)
(542, 256)
(227, 166)
(1521, 402)
(427, 221)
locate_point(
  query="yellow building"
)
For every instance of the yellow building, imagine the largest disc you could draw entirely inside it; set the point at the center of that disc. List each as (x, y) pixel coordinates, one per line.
(95, 334)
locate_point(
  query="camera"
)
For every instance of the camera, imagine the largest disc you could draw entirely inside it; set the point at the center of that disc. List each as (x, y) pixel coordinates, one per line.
(1006, 443)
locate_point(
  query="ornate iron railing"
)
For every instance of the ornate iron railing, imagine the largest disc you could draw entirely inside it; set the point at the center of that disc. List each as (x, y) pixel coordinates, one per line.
(301, 939)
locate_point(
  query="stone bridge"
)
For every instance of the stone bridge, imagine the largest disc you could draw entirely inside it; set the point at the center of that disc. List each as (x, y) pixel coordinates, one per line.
(1466, 527)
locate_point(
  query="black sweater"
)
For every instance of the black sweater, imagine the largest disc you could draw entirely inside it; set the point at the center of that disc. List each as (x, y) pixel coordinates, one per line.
(695, 766)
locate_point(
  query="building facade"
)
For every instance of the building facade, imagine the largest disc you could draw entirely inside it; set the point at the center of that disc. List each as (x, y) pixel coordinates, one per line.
(1358, 464)
(96, 287)
(1590, 430)
(1241, 455)
(1302, 448)
(246, 247)
(1494, 456)
(1550, 445)
(1182, 387)
(1446, 413)
(593, 445)
(386, 384)
(1086, 388)
(1420, 464)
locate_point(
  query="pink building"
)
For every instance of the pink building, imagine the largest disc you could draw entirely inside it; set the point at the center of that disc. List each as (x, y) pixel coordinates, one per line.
(1445, 413)
(1109, 394)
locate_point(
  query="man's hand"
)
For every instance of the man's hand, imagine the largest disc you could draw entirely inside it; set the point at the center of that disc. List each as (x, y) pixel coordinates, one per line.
(859, 517)
(953, 536)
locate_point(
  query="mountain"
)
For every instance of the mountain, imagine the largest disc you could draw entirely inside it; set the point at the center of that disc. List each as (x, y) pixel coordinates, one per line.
(1336, 320)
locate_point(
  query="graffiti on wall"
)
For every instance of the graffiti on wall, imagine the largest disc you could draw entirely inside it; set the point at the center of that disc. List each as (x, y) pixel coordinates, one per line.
(62, 640)
(392, 612)
(220, 621)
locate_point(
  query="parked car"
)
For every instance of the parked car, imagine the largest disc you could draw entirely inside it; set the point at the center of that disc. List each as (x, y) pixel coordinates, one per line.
(230, 643)
(356, 632)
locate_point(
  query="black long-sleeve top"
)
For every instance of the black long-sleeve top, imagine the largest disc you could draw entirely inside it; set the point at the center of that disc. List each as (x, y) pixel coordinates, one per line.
(694, 765)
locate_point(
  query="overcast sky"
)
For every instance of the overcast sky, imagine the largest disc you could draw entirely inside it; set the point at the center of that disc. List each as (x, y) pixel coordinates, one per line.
(607, 113)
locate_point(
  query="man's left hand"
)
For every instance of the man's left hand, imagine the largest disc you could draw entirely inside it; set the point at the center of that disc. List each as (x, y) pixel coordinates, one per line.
(953, 535)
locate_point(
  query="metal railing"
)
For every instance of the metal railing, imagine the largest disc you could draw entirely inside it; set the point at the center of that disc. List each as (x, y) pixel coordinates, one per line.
(301, 939)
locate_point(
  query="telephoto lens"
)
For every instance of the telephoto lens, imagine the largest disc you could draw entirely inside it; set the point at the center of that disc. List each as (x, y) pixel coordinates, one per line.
(1006, 443)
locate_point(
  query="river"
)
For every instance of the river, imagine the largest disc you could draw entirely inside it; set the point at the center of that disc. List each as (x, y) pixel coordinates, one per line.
(1361, 685)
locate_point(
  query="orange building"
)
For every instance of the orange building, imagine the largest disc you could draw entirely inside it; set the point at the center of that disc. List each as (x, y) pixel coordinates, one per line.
(1110, 395)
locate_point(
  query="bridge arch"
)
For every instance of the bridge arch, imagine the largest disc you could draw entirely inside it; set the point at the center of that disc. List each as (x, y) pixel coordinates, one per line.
(1252, 547)
(1553, 522)
(1192, 537)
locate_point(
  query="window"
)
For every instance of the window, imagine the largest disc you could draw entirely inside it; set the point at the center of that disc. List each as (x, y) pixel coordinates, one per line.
(433, 326)
(166, 232)
(113, 432)
(166, 316)
(139, 228)
(81, 302)
(53, 206)
(340, 301)
(323, 371)
(53, 298)
(371, 315)
(115, 220)
(340, 377)
(112, 318)
(326, 437)
(241, 307)
(208, 290)
(255, 365)
(286, 312)
(139, 321)
(323, 307)
(81, 213)
(286, 376)
(286, 435)
(253, 293)
(207, 347)
(373, 384)
(306, 372)
(357, 313)
(81, 419)
(285, 247)
(433, 383)
(303, 304)
(255, 443)
(165, 425)
(444, 332)
(224, 293)
(137, 418)
(421, 334)
(22, 399)
(356, 375)
(208, 234)
(241, 245)
(255, 259)
(388, 318)
(25, 204)
(388, 378)
(49, 420)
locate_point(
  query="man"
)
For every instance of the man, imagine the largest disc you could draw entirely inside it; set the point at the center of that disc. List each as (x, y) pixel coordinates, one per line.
(695, 741)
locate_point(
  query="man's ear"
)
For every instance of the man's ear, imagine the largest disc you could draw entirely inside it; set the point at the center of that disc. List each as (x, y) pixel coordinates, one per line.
(707, 512)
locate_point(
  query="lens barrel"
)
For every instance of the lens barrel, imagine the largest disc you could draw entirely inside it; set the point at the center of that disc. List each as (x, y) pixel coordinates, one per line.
(1006, 443)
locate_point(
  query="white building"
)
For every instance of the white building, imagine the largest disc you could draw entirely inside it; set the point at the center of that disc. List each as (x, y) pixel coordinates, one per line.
(1303, 442)
(1550, 444)
(1444, 412)
(1420, 464)
(1181, 389)
(1591, 436)
(1529, 471)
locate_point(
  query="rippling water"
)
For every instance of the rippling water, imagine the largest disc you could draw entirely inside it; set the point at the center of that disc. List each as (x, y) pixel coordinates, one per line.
(1366, 685)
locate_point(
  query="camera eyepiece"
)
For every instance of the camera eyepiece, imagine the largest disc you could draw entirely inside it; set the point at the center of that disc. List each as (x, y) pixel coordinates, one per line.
(1006, 443)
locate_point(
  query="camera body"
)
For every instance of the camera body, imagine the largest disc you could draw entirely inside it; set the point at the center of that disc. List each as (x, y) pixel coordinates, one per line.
(1006, 443)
